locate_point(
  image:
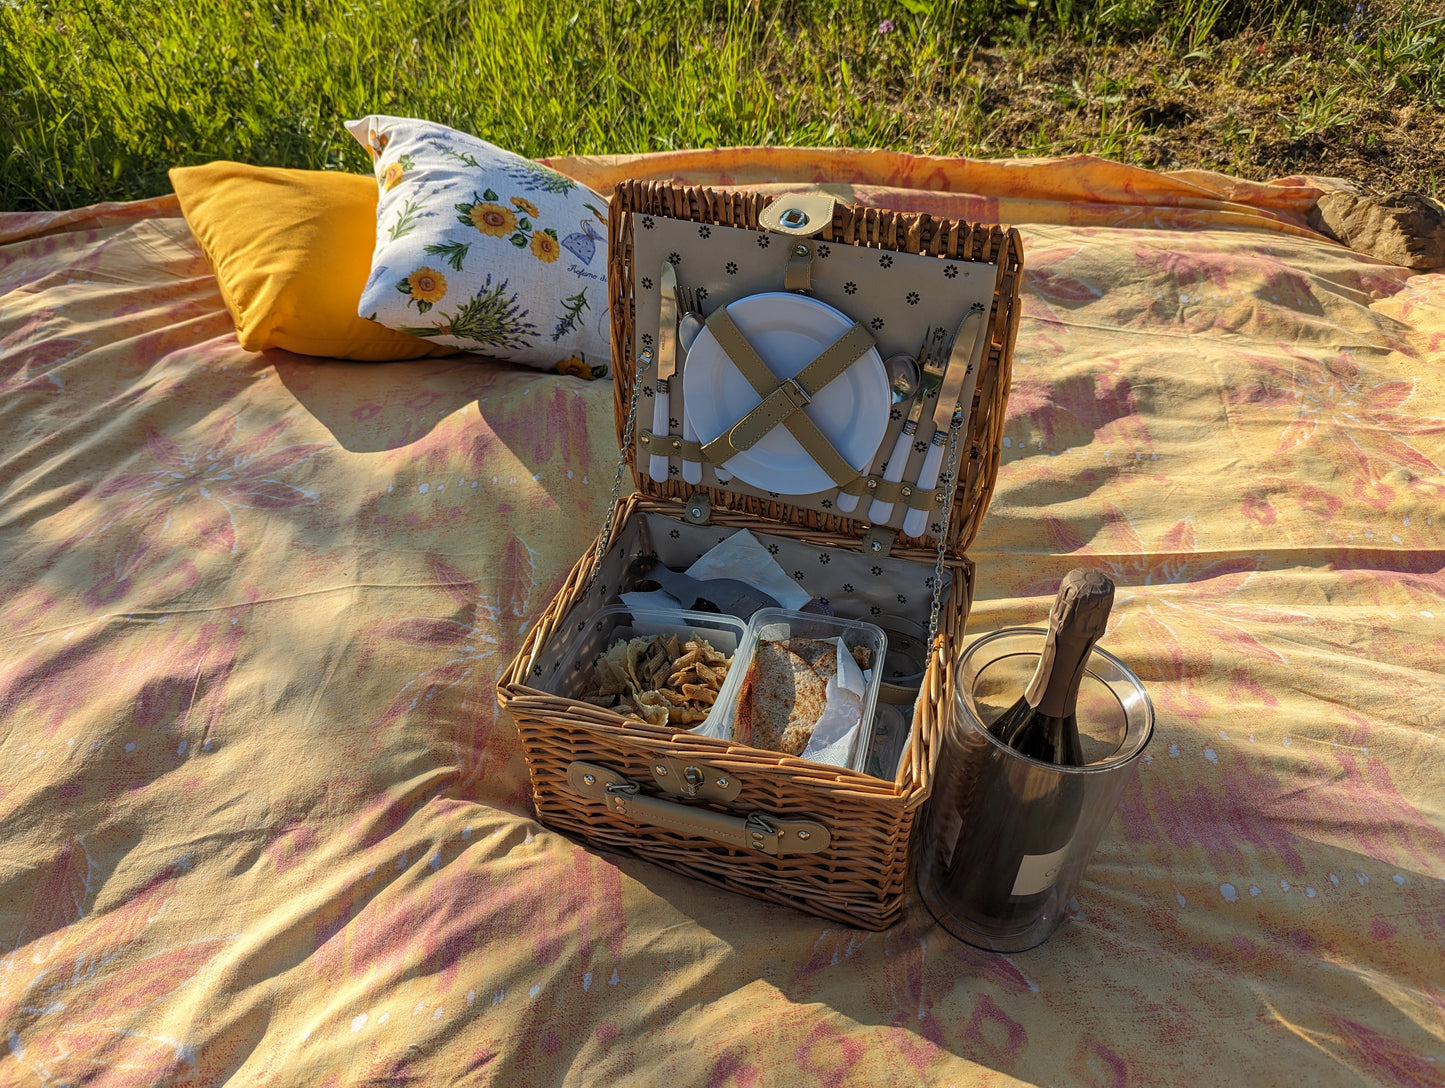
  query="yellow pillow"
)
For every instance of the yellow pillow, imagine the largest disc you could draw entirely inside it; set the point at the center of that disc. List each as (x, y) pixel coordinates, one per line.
(292, 252)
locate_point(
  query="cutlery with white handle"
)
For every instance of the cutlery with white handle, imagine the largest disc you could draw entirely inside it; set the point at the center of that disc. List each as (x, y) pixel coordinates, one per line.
(952, 408)
(928, 385)
(903, 374)
(657, 463)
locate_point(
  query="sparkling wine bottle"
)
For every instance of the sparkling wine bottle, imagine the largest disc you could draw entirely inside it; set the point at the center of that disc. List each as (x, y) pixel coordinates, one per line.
(1041, 724)
(1005, 878)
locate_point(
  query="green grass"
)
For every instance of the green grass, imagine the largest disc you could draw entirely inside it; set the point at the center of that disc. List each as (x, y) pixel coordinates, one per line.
(98, 98)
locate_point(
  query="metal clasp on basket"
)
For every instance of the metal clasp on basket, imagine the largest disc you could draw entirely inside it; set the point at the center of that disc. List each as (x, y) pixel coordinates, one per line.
(698, 510)
(692, 780)
(621, 791)
(878, 541)
(761, 832)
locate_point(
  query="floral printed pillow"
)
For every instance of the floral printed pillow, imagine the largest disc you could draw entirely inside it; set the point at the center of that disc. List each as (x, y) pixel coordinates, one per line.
(483, 250)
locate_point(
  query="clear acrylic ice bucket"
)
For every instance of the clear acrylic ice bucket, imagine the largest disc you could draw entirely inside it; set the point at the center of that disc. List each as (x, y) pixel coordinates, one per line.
(1004, 839)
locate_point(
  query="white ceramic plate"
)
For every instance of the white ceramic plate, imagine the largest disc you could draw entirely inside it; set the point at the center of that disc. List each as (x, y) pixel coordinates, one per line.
(788, 332)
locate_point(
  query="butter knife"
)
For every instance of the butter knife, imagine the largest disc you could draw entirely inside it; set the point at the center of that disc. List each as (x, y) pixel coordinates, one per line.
(933, 366)
(657, 463)
(950, 410)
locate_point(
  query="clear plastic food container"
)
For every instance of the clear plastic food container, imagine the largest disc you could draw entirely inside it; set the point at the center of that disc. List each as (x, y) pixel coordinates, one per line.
(615, 622)
(841, 733)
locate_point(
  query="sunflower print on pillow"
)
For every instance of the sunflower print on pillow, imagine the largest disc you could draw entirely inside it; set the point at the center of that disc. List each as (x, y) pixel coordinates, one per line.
(483, 250)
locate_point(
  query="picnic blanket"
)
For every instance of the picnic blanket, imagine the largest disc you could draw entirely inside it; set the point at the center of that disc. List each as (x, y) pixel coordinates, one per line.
(261, 822)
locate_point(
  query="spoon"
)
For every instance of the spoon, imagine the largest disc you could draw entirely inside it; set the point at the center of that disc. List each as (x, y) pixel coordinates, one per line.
(691, 324)
(902, 372)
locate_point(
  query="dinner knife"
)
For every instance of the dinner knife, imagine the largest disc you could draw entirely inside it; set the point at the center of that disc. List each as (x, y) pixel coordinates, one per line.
(933, 371)
(657, 464)
(950, 410)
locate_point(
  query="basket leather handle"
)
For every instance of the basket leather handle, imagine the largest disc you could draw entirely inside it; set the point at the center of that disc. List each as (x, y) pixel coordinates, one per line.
(763, 833)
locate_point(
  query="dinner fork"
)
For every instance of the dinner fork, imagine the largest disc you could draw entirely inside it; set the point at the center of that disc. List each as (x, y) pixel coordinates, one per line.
(688, 327)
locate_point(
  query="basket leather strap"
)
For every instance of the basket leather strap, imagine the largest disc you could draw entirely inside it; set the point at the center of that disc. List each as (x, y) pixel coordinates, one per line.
(903, 492)
(765, 834)
(670, 445)
(783, 401)
(798, 272)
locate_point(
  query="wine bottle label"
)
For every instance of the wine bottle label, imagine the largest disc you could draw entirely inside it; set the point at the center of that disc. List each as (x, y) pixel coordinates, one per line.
(1039, 871)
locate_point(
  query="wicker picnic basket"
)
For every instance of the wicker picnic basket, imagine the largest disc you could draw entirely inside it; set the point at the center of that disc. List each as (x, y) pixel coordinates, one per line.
(715, 810)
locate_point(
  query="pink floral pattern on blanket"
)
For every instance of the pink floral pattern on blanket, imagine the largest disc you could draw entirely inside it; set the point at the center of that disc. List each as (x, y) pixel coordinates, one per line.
(263, 823)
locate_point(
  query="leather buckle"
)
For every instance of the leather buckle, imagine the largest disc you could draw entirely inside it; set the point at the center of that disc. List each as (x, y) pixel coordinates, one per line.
(796, 393)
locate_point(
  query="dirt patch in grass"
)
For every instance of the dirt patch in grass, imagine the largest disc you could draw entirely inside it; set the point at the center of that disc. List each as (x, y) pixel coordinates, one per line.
(1252, 108)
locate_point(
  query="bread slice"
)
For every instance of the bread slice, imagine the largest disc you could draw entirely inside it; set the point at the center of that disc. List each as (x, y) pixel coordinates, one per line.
(783, 694)
(820, 653)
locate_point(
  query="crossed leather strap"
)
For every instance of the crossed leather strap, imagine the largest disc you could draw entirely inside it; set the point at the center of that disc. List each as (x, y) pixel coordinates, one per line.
(783, 402)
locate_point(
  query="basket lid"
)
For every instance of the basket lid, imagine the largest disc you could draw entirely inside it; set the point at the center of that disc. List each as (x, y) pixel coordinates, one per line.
(904, 281)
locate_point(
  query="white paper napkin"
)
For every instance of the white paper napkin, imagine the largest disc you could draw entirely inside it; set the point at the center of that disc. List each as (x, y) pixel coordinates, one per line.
(655, 600)
(742, 556)
(832, 739)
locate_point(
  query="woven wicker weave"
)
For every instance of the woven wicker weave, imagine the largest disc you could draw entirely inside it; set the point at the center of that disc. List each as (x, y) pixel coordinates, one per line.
(859, 879)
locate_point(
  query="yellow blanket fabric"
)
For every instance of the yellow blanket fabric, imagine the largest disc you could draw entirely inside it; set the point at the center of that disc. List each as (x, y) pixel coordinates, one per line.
(260, 821)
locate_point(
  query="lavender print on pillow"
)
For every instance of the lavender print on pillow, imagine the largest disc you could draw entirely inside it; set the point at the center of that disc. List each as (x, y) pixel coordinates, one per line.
(483, 250)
